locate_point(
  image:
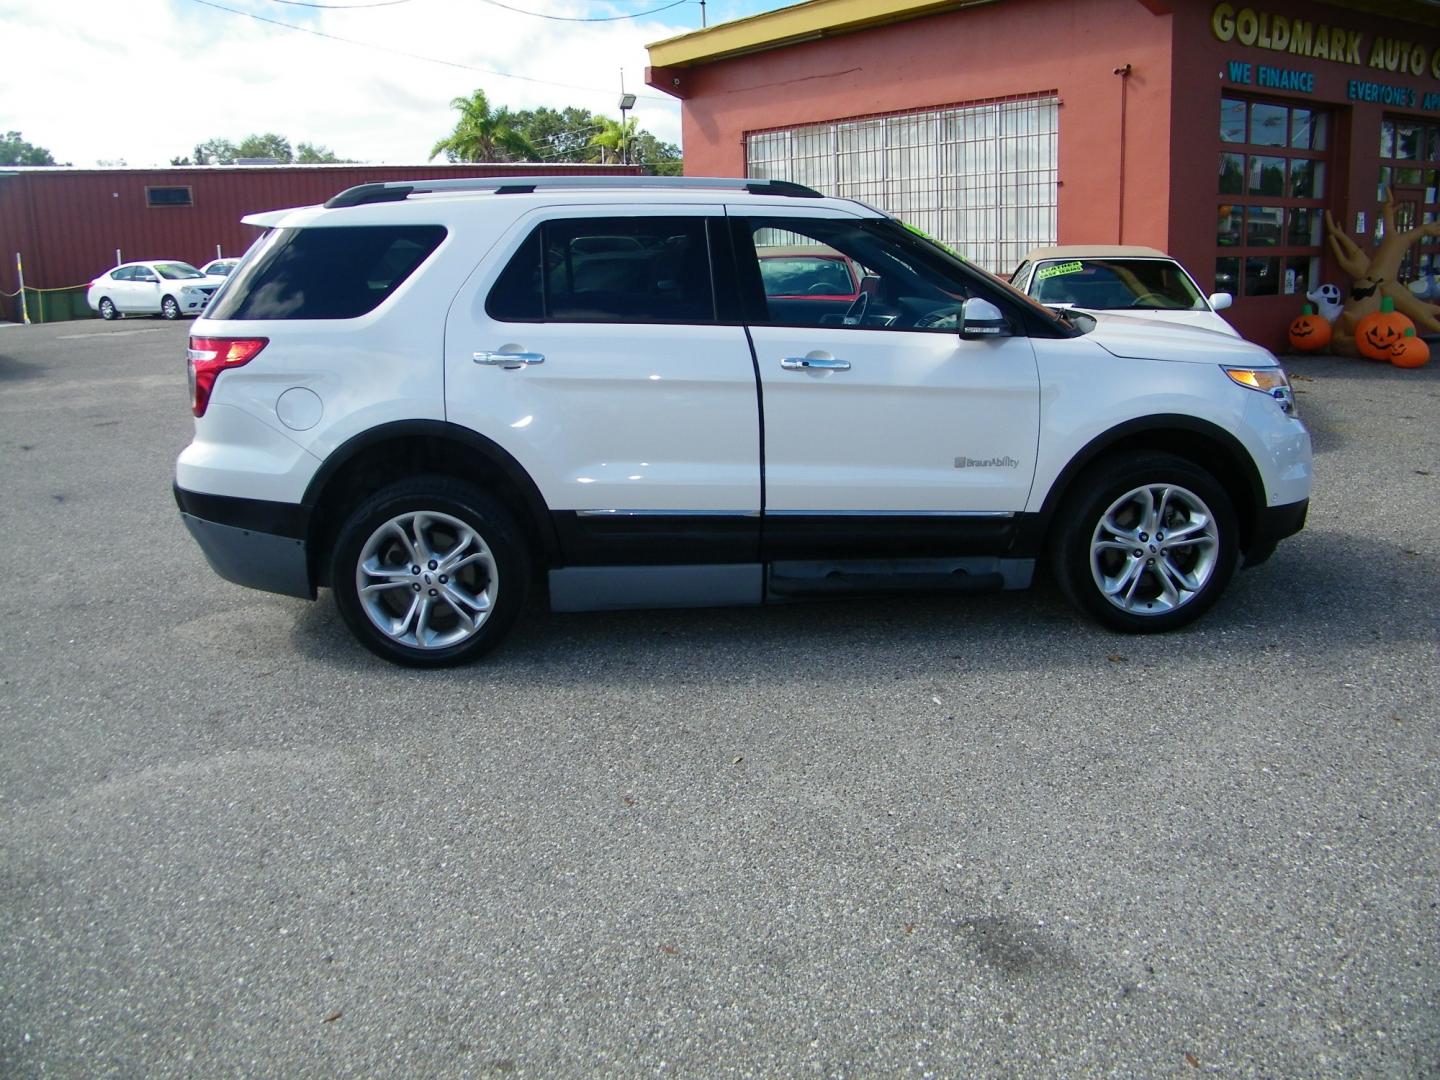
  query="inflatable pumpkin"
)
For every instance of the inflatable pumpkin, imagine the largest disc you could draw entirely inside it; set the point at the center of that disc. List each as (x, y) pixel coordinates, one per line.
(1410, 351)
(1309, 332)
(1377, 332)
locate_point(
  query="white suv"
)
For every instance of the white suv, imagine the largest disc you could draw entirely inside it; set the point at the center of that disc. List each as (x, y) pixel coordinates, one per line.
(428, 396)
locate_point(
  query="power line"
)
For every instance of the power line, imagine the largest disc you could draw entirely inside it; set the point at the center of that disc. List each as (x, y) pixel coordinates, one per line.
(410, 55)
(340, 7)
(602, 18)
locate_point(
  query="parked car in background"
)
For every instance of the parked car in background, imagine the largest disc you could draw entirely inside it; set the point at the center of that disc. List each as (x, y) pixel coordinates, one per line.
(1139, 281)
(808, 283)
(165, 287)
(219, 267)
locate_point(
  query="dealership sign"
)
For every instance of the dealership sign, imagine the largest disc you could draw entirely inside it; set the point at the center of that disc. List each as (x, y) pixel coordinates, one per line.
(1320, 41)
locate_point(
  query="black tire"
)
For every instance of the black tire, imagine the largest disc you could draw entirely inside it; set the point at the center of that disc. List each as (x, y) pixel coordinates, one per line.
(169, 308)
(108, 310)
(434, 511)
(1158, 583)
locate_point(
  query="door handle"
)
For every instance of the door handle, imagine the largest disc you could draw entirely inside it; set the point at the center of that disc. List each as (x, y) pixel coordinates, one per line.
(813, 363)
(508, 359)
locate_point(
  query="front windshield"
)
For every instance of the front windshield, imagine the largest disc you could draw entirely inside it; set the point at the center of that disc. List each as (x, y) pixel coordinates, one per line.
(1111, 284)
(177, 271)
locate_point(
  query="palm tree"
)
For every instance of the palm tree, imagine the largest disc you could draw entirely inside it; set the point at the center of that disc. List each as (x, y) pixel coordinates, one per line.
(483, 134)
(613, 137)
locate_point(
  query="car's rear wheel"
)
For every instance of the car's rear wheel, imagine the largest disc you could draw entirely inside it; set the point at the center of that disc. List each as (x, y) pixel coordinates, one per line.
(169, 308)
(1146, 544)
(108, 309)
(430, 572)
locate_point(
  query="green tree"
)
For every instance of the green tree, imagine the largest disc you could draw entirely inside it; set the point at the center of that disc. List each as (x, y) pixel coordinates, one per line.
(210, 152)
(268, 145)
(16, 151)
(310, 154)
(559, 135)
(483, 134)
(613, 140)
(659, 158)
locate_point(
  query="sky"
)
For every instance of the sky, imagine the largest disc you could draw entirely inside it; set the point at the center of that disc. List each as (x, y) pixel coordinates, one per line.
(142, 81)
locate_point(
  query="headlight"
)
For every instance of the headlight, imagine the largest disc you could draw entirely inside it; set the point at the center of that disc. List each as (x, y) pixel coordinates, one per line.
(1267, 380)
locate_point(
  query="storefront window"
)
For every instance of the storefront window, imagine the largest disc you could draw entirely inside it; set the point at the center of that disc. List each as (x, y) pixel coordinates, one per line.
(1272, 180)
(1405, 144)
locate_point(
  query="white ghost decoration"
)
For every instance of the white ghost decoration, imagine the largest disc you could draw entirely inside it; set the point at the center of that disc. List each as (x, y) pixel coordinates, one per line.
(1327, 301)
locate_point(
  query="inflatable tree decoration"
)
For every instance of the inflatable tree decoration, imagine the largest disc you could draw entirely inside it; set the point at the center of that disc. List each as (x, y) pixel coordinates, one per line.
(1374, 277)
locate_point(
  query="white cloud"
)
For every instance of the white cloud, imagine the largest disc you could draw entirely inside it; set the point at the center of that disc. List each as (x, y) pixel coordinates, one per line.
(146, 80)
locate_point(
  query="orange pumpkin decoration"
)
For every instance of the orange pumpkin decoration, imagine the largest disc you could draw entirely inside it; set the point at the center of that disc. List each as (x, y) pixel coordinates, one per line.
(1309, 332)
(1410, 351)
(1377, 332)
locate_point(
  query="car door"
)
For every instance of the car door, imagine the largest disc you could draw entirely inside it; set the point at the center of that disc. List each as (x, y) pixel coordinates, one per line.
(885, 419)
(145, 290)
(122, 287)
(590, 348)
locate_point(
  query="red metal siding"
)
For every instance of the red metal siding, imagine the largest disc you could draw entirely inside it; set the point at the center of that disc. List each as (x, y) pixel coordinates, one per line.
(68, 223)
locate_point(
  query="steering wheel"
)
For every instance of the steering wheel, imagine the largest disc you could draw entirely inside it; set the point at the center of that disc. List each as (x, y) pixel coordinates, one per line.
(856, 311)
(1151, 299)
(945, 318)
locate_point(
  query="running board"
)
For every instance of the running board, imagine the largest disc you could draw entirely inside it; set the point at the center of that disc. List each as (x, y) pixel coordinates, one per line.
(838, 577)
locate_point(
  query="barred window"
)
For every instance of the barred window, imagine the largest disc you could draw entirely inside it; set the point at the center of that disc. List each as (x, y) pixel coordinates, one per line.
(980, 177)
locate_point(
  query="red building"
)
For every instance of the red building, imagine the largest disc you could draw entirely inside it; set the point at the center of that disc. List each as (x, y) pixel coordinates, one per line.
(70, 225)
(1219, 132)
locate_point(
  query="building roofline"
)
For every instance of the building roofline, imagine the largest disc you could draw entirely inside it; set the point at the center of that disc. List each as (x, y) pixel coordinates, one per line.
(789, 25)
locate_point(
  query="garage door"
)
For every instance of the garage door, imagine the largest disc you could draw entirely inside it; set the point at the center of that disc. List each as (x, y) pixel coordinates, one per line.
(979, 177)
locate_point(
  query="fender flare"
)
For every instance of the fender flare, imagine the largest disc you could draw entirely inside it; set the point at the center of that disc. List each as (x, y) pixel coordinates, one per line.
(442, 430)
(1237, 456)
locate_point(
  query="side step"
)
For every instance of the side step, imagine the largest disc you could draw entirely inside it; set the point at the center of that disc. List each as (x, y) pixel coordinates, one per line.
(838, 577)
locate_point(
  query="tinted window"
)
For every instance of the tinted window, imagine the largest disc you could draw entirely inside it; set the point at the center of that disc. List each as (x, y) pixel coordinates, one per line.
(903, 286)
(650, 270)
(123, 273)
(324, 273)
(177, 271)
(167, 196)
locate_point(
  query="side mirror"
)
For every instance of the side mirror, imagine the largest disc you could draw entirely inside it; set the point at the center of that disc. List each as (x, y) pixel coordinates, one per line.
(1221, 300)
(979, 318)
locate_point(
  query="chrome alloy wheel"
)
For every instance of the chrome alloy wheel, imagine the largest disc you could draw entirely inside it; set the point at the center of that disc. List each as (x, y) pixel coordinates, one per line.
(426, 580)
(1154, 549)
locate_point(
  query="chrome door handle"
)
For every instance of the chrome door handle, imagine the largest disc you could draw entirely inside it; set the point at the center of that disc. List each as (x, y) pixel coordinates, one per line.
(813, 363)
(508, 359)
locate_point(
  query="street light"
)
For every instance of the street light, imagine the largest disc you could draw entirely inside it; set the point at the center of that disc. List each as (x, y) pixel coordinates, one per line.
(627, 102)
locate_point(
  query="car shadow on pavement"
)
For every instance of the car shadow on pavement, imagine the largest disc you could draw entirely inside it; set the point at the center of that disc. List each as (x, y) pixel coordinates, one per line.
(1320, 587)
(12, 370)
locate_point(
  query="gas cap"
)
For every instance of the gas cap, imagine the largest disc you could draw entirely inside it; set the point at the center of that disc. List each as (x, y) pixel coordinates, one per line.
(299, 408)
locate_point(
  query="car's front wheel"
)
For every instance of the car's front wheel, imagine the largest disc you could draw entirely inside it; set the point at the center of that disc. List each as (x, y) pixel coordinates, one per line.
(107, 309)
(1147, 543)
(430, 572)
(169, 308)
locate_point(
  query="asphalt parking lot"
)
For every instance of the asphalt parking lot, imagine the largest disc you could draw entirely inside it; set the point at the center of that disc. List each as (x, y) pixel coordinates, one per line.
(959, 837)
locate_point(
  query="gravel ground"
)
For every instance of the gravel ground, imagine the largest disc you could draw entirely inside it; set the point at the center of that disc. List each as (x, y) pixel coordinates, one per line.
(960, 837)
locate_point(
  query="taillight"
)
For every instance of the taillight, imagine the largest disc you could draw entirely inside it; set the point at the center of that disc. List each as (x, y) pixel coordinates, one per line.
(209, 356)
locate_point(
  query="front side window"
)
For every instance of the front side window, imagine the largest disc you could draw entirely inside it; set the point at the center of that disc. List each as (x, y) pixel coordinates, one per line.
(626, 270)
(324, 273)
(904, 281)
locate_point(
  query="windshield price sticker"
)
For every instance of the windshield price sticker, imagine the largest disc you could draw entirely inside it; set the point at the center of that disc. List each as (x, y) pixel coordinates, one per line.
(1058, 269)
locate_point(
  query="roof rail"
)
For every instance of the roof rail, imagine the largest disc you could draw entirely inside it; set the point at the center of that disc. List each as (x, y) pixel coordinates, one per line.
(397, 191)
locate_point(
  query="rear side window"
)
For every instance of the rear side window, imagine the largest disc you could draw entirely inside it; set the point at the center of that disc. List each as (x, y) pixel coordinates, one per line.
(324, 273)
(635, 270)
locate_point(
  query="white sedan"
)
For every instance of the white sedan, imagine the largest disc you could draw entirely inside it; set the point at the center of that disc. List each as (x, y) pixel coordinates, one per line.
(165, 287)
(1138, 281)
(219, 267)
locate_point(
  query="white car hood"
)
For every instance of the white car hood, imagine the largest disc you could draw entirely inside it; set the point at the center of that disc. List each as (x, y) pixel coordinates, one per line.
(1199, 320)
(1133, 338)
